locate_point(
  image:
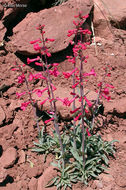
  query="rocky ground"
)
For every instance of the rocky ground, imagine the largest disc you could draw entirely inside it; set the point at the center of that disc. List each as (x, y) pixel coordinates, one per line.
(22, 169)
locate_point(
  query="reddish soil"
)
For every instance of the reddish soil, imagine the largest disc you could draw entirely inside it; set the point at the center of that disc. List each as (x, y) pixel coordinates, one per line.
(18, 128)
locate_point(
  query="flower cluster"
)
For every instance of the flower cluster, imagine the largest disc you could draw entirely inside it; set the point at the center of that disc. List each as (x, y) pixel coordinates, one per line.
(79, 104)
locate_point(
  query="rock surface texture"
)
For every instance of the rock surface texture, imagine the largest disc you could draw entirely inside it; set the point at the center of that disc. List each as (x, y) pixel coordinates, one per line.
(55, 27)
(105, 11)
(9, 157)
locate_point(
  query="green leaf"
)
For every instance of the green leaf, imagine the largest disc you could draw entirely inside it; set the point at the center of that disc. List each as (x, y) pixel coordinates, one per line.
(104, 157)
(51, 182)
(76, 155)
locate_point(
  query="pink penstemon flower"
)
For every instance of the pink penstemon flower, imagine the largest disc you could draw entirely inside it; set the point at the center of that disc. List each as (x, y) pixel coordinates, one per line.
(106, 97)
(20, 94)
(88, 102)
(24, 105)
(47, 121)
(34, 41)
(109, 85)
(38, 64)
(74, 111)
(15, 69)
(53, 87)
(66, 101)
(40, 27)
(68, 74)
(80, 16)
(92, 72)
(75, 85)
(44, 101)
(21, 79)
(88, 133)
(49, 40)
(37, 47)
(39, 76)
(40, 92)
(71, 32)
(55, 72)
(36, 76)
(105, 91)
(77, 117)
(31, 77)
(54, 64)
(32, 60)
(71, 59)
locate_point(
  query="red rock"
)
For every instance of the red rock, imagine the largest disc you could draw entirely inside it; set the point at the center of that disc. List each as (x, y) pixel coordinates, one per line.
(118, 106)
(2, 33)
(9, 157)
(33, 184)
(2, 115)
(121, 178)
(35, 171)
(48, 174)
(3, 173)
(21, 157)
(55, 27)
(15, 104)
(1, 11)
(105, 11)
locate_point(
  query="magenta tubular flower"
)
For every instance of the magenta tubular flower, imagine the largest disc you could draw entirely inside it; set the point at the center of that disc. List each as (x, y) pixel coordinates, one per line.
(38, 64)
(20, 94)
(88, 133)
(39, 76)
(40, 27)
(74, 86)
(68, 74)
(15, 69)
(43, 101)
(105, 91)
(71, 59)
(92, 72)
(47, 121)
(34, 41)
(47, 53)
(31, 77)
(109, 85)
(74, 111)
(66, 101)
(106, 97)
(21, 79)
(100, 84)
(32, 60)
(49, 40)
(88, 102)
(53, 87)
(37, 47)
(40, 92)
(55, 64)
(55, 72)
(77, 117)
(24, 105)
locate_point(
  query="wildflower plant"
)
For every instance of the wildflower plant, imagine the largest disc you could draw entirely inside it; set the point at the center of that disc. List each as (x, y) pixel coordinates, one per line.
(88, 152)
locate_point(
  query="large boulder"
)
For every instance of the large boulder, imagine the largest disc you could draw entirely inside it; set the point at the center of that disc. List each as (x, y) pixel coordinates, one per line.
(55, 26)
(107, 11)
